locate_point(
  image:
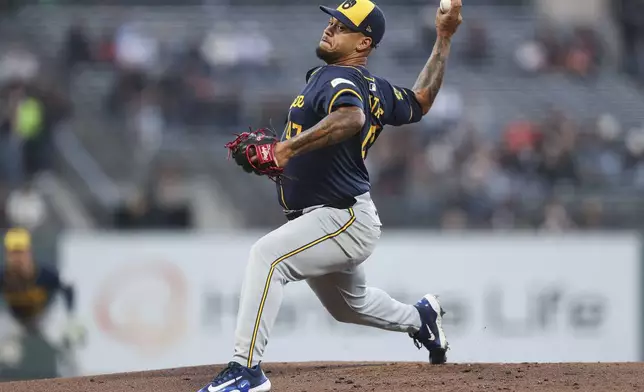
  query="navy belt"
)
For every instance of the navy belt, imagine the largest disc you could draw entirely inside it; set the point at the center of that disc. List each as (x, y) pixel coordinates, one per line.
(340, 205)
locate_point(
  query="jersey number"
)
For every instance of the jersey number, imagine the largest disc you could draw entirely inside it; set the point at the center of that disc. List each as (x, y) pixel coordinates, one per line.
(292, 129)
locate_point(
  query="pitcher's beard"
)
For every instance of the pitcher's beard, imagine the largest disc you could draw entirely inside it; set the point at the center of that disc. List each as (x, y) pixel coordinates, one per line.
(327, 57)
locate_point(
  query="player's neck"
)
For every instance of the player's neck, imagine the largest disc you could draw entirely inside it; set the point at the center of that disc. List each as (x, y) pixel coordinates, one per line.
(351, 62)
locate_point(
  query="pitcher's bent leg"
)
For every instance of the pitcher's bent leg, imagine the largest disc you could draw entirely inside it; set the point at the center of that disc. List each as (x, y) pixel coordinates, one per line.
(302, 248)
(347, 298)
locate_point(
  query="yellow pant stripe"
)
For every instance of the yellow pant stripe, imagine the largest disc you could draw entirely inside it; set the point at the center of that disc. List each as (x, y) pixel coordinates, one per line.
(344, 90)
(270, 276)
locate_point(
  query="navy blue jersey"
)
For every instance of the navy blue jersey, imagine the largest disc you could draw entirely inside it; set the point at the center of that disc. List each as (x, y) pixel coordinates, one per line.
(338, 172)
(28, 299)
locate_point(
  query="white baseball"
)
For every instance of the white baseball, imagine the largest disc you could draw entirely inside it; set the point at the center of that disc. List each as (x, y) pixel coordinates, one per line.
(445, 5)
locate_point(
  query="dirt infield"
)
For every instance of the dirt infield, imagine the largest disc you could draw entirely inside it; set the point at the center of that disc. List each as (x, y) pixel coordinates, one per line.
(408, 377)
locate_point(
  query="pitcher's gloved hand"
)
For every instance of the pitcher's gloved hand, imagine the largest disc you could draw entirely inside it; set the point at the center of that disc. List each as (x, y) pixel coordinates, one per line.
(254, 151)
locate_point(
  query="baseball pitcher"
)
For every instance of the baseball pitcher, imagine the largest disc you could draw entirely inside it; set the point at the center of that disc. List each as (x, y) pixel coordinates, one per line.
(323, 187)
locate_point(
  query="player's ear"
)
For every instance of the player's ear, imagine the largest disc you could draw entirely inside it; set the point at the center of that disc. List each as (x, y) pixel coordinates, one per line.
(364, 44)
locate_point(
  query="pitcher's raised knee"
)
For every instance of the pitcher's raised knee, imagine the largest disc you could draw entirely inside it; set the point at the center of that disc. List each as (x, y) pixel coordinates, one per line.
(263, 252)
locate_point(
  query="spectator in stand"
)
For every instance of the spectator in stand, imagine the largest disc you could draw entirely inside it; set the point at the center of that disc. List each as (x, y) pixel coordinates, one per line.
(26, 207)
(519, 149)
(548, 52)
(583, 54)
(556, 217)
(105, 51)
(11, 159)
(543, 53)
(454, 219)
(57, 107)
(18, 63)
(77, 47)
(630, 19)
(161, 204)
(136, 51)
(558, 136)
(611, 154)
(28, 126)
(428, 27)
(27, 122)
(635, 157)
(591, 216)
(504, 217)
(4, 190)
(477, 46)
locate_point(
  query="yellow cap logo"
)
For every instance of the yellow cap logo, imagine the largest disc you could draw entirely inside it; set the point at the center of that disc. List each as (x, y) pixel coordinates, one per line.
(348, 4)
(356, 10)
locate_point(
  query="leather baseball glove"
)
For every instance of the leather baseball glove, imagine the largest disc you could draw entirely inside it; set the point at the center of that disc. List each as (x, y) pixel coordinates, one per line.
(254, 151)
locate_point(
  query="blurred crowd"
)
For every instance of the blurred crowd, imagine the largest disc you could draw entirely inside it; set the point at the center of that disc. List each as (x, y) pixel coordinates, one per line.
(577, 54)
(32, 107)
(553, 172)
(160, 203)
(451, 172)
(464, 180)
(524, 175)
(160, 85)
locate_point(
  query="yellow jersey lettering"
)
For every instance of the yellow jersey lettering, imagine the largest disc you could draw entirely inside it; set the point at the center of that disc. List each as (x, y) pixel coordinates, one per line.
(376, 107)
(375, 101)
(377, 112)
(298, 102)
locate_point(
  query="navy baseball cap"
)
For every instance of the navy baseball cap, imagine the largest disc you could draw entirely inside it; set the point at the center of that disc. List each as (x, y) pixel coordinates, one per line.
(363, 16)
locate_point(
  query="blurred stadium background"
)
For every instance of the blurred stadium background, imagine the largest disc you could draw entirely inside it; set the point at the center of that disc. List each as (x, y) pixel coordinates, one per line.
(113, 117)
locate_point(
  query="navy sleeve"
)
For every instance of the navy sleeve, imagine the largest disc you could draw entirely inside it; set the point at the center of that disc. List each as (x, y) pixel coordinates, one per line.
(402, 106)
(50, 278)
(337, 88)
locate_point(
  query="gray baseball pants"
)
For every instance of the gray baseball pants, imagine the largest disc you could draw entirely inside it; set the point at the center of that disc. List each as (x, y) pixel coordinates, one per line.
(326, 247)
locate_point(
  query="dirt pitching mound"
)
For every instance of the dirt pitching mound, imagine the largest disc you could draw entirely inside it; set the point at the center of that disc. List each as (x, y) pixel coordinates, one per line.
(385, 377)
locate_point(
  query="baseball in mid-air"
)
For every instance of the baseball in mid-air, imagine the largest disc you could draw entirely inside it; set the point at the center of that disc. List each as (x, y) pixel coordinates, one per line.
(445, 5)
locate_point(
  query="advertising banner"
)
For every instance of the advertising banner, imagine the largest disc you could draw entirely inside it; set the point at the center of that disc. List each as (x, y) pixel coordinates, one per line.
(154, 301)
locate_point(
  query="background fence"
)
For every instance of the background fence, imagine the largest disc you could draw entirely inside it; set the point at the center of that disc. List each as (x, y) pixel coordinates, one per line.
(153, 300)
